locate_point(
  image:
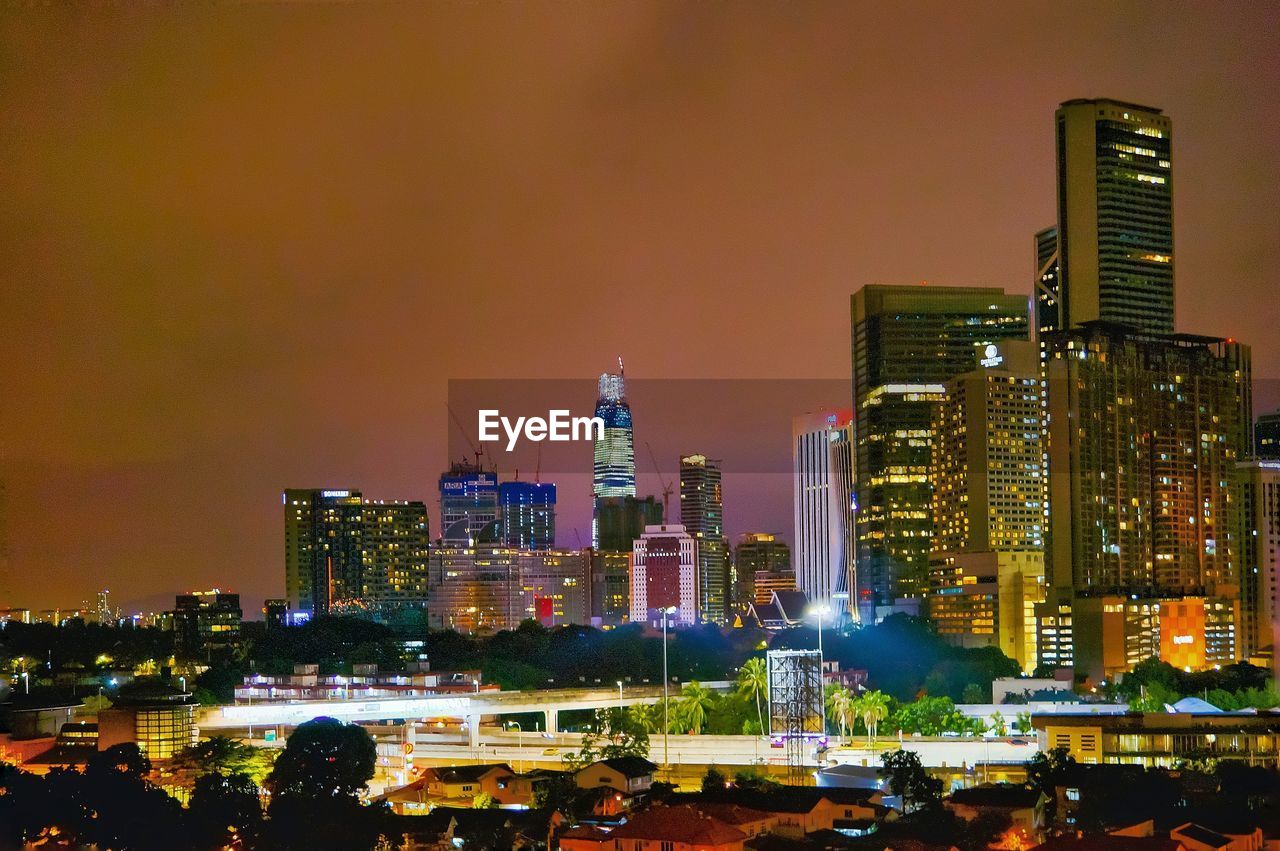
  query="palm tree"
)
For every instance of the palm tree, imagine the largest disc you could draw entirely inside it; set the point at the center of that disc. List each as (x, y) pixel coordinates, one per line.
(753, 682)
(843, 707)
(643, 716)
(694, 706)
(873, 706)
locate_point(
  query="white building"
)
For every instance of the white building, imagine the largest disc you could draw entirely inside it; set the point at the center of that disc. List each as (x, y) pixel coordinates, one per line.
(664, 574)
(822, 465)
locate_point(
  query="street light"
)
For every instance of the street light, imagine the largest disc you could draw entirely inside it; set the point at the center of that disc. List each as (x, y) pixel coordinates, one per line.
(821, 611)
(666, 726)
(620, 708)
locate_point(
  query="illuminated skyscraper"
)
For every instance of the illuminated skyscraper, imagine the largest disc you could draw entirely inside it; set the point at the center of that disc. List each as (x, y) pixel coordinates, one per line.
(322, 537)
(468, 506)
(762, 563)
(1115, 214)
(1260, 588)
(528, 515)
(1144, 434)
(908, 341)
(615, 456)
(823, 501)
(702, 513)
(987, 565)
(487, 588)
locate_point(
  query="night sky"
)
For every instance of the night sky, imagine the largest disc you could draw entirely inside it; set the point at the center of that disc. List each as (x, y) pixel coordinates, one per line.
(246, 248)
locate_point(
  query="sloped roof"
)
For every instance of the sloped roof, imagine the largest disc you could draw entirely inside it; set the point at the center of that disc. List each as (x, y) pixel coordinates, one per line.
(678, 824)
(1003, 795)
(1200, 834)
(791, 603)
(734, 814)
(631, 766)
(468, 773)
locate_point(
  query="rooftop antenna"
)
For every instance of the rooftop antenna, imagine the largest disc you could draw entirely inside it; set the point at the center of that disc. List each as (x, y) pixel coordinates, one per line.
(621, 371)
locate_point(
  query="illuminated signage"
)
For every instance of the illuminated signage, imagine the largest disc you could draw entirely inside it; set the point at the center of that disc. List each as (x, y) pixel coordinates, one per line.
(1183, 639)
(991, 356)
(338, 494)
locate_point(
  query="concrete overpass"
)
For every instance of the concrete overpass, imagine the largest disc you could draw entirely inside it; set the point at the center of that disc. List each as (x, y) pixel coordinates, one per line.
(469, 708)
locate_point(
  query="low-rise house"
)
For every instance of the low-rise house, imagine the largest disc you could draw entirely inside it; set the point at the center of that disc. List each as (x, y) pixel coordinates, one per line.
(1016, 802)
(678, 828)
(801, 810)
(1197, 837)
(632, 775)
(458, 784)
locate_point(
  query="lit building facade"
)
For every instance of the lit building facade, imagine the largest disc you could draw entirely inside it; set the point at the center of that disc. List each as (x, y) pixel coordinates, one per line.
(702, 514)
(1162, 739)
(322, 538)
(489, 588)
(614, 454)
(610, 587)
(664, 575)
(761, 558)
(468, 506)
(205, 622)
(907, 342)
(528, 515)
(1260, 594)
(1144, 434)
(347, 554)
(823, 502)
(988, 599)
(1115, 214)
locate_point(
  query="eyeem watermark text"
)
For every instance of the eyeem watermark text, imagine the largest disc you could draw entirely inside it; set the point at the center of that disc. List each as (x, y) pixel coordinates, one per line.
(558, 426)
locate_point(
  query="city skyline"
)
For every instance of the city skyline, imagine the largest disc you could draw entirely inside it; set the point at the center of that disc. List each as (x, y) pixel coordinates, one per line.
(160, 404)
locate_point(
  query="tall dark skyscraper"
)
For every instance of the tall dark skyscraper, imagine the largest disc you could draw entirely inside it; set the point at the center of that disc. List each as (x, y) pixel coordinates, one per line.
(702, 515)
(908, 341)
(1266, 437)
(528, 515)
(1047, 294)
(1115, 214)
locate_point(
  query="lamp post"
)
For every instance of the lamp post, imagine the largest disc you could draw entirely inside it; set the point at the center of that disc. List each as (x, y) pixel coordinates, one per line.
(666, 726)
(621, 708)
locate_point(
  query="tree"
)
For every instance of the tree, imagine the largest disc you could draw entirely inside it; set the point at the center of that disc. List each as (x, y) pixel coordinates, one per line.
(753, 681)
(713, 780)
(930, 716)
(484, 801)
(224, 756)
(997, 725)
(324, 759)
(908, 779)
(973, 693)
(694, 705)
(873, 707)
(615, 733)
(1023, 722)
(842, 706)
(224, 808)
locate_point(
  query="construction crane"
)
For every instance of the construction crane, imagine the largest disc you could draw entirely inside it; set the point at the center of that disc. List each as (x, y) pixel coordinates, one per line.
(475, 450)
(666, 486)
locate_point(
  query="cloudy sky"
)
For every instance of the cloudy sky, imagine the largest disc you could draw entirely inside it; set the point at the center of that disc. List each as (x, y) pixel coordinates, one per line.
(245, 248)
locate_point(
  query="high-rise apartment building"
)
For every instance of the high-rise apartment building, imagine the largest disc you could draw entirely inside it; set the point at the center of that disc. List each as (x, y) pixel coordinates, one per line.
(1115, 214)
(527, 512)
(987, 564)
(908, 341)
(344, 553)
(664, 575)
(1260, 605)
(823, 502)
(322, 539)
(1266, 437)
(610, 587)
(1144, 434)
(488, 588)
(468, 506)
(395, 544)
(702, 514)
(760, 561)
